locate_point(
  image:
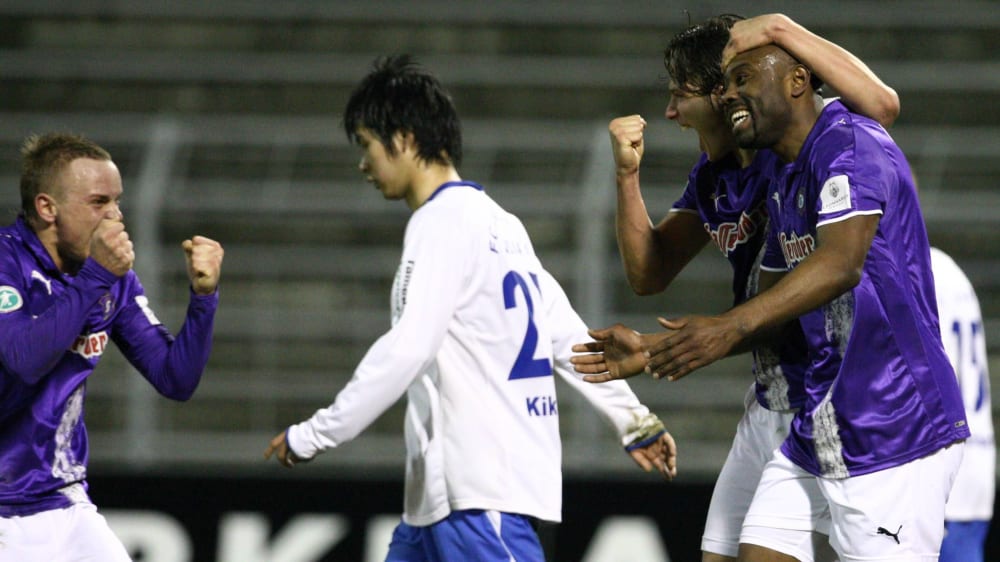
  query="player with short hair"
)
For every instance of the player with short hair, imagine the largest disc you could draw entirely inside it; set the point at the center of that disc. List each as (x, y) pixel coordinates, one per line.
(478, 329)
(873, 452)
(67, 290)
(969, 509)
(724, 203)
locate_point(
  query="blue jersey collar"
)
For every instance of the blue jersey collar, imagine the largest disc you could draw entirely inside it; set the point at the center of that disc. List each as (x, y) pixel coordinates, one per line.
(450, 184)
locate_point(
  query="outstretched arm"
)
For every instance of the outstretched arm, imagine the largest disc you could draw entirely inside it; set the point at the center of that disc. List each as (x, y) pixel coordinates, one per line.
(617, 352)
(859, 87)
(652, 255)
(832, 269)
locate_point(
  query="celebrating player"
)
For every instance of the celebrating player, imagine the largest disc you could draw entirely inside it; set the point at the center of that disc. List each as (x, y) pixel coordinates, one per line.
(724, 203)
(873, 452)
(67, 289)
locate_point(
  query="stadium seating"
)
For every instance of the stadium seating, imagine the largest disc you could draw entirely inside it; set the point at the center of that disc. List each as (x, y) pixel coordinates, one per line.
(224, 118)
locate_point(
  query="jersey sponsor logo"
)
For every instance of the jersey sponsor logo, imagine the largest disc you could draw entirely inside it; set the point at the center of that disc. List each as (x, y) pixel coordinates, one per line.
(835, 195)
(728, 235)
(795, 248)
(90, 345)
(10, 299)
(542, 406)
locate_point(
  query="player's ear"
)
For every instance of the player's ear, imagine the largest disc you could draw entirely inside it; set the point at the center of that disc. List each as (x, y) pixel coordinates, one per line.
(799, 79)
(404, 140)
(46, 207)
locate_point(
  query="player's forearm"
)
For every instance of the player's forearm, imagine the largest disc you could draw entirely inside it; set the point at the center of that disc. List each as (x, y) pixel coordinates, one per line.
(822, 277)
(614, 401)
(176, 366)
(637, 240)
(34, 345)
(859, 87)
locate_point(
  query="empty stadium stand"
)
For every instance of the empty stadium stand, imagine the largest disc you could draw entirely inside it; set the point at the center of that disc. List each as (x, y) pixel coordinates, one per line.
(224, 118)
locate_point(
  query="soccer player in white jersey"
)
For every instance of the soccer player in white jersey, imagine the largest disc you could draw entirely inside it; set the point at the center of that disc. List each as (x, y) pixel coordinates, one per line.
(479, 327)
(970, 506)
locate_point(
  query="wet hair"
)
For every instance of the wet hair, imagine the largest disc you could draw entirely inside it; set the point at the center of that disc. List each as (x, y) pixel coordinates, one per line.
(693, 58)
(43, 157)
(398, 95)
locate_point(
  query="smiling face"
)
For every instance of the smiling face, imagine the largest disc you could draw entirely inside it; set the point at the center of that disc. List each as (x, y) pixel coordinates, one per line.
(84, 192)
(756, 99)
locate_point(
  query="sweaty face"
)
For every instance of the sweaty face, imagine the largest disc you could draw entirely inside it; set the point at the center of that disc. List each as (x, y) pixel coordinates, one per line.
(380, 168)
(754, 100)
(86, 192)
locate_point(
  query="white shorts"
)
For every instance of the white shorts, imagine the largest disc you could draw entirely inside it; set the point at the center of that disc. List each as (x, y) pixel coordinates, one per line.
(75, 533)
(759, 433)
(894, 514)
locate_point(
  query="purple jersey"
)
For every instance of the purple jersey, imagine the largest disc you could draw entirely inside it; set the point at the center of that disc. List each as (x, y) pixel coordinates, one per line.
(880, 389)
(54, 328)
(730, 201)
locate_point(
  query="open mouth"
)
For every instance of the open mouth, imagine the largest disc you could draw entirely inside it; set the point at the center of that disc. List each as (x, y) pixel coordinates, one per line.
(739, 118)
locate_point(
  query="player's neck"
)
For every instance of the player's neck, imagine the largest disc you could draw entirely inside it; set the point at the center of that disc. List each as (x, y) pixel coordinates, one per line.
(745, 156)
(716, 147)
(427, 178)
(50, 241)
(804, 117)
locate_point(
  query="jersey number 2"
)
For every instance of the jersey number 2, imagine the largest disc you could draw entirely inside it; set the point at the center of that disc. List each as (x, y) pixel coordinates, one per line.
(525, 366)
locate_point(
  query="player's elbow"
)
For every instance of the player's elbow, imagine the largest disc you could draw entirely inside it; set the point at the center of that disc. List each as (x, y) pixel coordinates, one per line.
(848, 278)
(645, 286)
(888, 107)
(179, 391)
(181, 396)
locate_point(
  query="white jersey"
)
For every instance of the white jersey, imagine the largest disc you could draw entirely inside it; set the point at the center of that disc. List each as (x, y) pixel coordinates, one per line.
(962, 333)
(479, 327)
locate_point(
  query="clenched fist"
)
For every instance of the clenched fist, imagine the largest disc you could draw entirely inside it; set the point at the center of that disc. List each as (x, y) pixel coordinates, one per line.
(111, 247)
(626, 143)
(204, 263)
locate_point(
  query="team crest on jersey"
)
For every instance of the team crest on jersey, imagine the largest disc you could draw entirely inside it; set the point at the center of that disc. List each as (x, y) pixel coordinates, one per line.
(10, 299)
(107, 304)
(90, 345)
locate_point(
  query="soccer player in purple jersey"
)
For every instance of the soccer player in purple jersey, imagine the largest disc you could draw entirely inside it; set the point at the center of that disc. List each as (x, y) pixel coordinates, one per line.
(67, 289)
(724, 203)
(874, 451)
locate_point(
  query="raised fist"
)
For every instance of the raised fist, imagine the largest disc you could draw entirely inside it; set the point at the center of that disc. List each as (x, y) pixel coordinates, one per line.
(111, 247)
(626, 143)
(204, 263)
